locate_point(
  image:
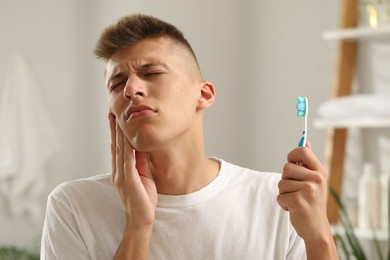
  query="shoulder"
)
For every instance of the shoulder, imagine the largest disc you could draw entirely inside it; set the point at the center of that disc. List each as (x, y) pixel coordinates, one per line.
(82, 188)
(243, 174)
(255, 184)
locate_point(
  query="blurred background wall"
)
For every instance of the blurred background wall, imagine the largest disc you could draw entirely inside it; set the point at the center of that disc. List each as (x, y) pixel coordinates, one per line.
(259, 54)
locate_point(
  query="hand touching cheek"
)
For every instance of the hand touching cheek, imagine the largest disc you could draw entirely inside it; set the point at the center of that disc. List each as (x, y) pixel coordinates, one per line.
(132, 178)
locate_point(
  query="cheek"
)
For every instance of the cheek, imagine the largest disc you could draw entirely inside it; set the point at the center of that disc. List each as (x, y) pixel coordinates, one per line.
(115, 104)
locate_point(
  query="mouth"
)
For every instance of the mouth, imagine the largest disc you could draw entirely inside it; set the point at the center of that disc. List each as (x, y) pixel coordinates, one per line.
(138, 111)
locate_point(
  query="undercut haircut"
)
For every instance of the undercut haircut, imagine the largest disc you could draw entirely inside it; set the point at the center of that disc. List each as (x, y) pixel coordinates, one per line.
(133, 28)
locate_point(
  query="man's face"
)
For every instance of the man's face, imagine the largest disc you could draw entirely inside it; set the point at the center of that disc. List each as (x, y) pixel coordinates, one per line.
(153, 91)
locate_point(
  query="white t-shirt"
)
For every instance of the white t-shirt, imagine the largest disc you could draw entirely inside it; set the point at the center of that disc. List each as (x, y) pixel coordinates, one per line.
(234, 217)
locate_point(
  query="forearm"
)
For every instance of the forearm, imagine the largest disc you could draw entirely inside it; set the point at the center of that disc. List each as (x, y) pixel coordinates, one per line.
(323, 248)
(134, 244)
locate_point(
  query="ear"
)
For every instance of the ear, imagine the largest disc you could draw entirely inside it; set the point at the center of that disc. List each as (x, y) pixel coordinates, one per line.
(207, 95)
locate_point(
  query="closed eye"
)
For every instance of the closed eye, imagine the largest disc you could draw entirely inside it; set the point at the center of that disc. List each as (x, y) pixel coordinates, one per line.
(152, 74)
(117, 85)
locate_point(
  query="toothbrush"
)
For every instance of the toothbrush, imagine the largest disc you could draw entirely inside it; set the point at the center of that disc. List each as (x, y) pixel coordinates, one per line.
(303, 110)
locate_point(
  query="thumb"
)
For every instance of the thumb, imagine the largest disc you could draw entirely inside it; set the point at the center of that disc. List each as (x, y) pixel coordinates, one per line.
(308, 145)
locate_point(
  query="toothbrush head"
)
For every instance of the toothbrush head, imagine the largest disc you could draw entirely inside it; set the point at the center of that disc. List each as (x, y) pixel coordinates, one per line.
(302, 106)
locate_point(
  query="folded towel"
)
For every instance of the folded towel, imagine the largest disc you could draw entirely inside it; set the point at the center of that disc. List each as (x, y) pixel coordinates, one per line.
(27, 141)
(357, 106)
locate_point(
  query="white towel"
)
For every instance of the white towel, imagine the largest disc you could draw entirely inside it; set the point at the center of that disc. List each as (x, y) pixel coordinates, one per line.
(27, 141)
(357, 106)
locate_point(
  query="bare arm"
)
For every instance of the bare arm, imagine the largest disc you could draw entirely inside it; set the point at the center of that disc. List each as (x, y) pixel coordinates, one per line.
(133, 180)
(303, 192)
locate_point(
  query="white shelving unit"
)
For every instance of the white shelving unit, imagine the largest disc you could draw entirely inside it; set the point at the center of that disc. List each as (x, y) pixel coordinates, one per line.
(348, 37)
(356, 34)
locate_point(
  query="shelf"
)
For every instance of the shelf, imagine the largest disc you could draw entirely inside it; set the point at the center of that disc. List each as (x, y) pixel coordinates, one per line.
(381, 235)
(352, 123)
(356, 33)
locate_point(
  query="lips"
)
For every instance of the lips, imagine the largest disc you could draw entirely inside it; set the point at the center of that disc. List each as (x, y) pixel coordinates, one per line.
(138, 111)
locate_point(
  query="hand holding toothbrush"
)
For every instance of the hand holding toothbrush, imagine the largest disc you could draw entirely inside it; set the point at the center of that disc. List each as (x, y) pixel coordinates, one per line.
(303, 193)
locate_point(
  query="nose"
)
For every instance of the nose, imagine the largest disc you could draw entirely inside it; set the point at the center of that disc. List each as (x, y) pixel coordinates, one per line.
(134, 88)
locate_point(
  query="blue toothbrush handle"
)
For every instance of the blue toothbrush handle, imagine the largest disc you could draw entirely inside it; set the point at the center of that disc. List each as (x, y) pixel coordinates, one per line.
(302, 142)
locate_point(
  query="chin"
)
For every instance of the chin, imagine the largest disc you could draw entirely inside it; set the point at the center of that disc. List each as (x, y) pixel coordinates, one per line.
(149, 139)
(144, 143)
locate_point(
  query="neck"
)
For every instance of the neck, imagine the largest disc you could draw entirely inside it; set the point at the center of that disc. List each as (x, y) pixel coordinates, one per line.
(175, 174)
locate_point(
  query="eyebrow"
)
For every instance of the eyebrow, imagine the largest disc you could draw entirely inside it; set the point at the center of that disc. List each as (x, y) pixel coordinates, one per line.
(153, 64)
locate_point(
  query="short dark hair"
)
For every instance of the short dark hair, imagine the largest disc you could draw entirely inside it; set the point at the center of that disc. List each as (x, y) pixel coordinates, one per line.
(133, 28)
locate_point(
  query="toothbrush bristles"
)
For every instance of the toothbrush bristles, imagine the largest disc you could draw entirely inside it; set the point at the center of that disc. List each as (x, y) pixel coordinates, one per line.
(301, 106)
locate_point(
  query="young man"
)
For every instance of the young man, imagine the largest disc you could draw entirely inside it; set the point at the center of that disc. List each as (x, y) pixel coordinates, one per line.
(164, 199)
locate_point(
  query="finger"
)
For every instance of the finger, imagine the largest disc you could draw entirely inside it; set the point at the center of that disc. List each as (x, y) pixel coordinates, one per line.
(281, 199)
(292, 202)
(143, 164)
(295, 171)
(306, 156)
(292, 171)
(111, 119)
(288, 186)
(119, 155)
(309, 189)
(129, 161)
